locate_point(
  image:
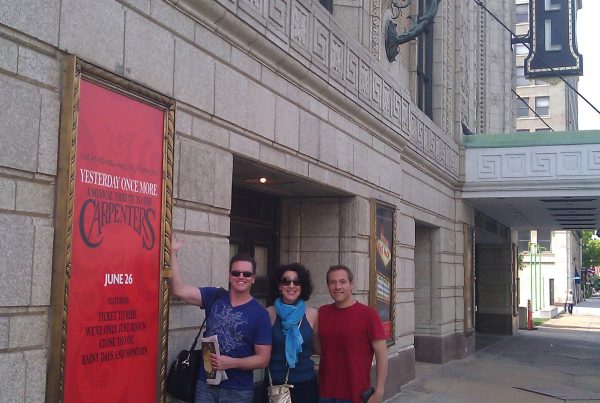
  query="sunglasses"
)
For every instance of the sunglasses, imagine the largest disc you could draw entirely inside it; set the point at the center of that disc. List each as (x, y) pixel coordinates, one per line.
(236, 273)
(286, 281)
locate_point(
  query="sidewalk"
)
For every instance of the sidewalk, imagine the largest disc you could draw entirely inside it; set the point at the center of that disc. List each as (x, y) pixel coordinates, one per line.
(560, 361)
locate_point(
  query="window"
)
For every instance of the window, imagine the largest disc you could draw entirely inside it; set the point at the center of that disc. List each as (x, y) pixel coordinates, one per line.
(524, 237)
(544, 238)
(521, 49)
(328, 4)
(424, 66)
(521, 80)
(522, 13)
(522, 107)
(543, 129)
(523, 130)
(542, 106)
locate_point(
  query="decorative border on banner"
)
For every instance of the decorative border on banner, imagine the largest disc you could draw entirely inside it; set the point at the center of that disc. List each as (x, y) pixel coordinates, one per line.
(73, 71)
(374, 204)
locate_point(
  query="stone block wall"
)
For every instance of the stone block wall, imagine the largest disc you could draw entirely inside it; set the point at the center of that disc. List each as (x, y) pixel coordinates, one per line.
(323, 232)
(245, 86)
(29, 120)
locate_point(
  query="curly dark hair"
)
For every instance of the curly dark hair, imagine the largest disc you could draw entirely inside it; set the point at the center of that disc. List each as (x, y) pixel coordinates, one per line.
(303, 276)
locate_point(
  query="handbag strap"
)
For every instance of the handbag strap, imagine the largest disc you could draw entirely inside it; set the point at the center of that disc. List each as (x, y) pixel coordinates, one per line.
(288, 371)
(271, 379)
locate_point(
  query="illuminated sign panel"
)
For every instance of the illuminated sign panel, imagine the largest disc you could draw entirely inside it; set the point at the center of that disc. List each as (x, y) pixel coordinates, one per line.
(553, 40)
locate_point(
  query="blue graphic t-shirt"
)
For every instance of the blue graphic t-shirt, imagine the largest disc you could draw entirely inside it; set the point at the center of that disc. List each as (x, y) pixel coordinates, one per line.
(238, 329)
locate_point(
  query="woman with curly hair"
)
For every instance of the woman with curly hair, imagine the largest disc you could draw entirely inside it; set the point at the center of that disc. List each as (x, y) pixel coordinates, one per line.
(294, 327)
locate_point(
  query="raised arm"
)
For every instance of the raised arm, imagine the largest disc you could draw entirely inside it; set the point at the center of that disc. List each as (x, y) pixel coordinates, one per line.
(381, 368)
(178, 288)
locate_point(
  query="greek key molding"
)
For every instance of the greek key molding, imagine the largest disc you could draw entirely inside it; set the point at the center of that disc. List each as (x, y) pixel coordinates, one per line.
(533, 163)
(309, 34)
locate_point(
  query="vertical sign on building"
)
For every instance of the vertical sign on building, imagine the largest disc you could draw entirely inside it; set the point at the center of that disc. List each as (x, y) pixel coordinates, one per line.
(553, 39)
(383, 263)
(116, 155)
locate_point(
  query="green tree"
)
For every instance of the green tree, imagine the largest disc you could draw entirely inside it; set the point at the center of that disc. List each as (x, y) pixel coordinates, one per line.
(596, 281)
(590, 249)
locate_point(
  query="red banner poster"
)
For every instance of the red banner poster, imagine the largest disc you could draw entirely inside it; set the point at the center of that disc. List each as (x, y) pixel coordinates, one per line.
(113, 306)
(384, 245)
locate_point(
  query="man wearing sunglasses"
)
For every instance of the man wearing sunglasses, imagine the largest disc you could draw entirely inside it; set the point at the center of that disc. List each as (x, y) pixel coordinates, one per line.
(241, 324)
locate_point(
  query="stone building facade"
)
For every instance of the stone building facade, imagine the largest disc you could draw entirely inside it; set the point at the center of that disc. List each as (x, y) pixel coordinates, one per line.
(282, 87)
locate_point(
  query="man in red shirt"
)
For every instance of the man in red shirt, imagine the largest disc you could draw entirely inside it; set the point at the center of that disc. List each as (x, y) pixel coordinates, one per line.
(350, 333)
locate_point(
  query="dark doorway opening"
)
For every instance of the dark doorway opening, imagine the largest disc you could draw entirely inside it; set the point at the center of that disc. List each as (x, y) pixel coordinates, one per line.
(255, 230)
(254, 222)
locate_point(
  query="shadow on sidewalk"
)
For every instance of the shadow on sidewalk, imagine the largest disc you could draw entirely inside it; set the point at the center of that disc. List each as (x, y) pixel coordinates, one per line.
(483, 340)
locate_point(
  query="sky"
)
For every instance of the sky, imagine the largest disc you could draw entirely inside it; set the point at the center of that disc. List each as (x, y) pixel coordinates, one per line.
(588, 35)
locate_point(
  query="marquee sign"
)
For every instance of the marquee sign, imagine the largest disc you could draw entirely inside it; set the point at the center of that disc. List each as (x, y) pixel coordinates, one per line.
(113, 214)
(553, 40)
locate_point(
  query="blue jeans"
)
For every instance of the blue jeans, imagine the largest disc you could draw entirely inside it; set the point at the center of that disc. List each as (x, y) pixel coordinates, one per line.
(206, 393)
(331, 400)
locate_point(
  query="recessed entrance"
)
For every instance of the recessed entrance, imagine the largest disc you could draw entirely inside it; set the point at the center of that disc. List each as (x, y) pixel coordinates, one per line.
(254, 229)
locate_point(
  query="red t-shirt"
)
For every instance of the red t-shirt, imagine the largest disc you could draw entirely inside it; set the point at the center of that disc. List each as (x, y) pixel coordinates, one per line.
(346, 335)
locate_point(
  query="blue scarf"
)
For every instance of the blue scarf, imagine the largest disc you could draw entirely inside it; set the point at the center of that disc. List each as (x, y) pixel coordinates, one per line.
(290, 316)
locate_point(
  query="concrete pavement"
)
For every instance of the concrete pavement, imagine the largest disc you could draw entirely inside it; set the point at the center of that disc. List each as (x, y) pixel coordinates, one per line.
(559, 361)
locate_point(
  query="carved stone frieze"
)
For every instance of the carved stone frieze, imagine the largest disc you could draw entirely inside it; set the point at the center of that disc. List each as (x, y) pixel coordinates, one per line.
(569, 163)
(364, 81)
(420, 135)
(405, 115)
(376, 94)
(412, 128)
(447, 15)
(533, 163)
(375, 28)
(397, 114)
(336, 58)
(299, 31)
(594, 160)
(278, 14)
(321, 42)
(386, 99)
(316, 41)
(542, 164)
(352, 70)
(254, 8)
(513, 165)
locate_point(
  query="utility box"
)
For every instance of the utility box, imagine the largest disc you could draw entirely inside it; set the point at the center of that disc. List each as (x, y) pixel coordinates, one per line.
(523, 317)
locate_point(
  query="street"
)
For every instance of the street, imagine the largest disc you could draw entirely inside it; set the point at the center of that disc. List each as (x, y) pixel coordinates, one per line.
(559, 361)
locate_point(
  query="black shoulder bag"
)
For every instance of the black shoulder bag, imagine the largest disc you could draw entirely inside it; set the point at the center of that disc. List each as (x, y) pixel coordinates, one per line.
(183, 373)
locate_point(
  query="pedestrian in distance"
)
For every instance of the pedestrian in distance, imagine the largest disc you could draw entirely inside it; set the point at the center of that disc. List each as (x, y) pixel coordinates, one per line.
(294, 327)
(570, 302)
(350, 333)
(240, 323)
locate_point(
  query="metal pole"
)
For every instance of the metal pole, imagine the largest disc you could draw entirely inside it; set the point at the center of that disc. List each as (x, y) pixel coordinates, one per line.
(541, 281)
(535, 275)
(530, 275)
